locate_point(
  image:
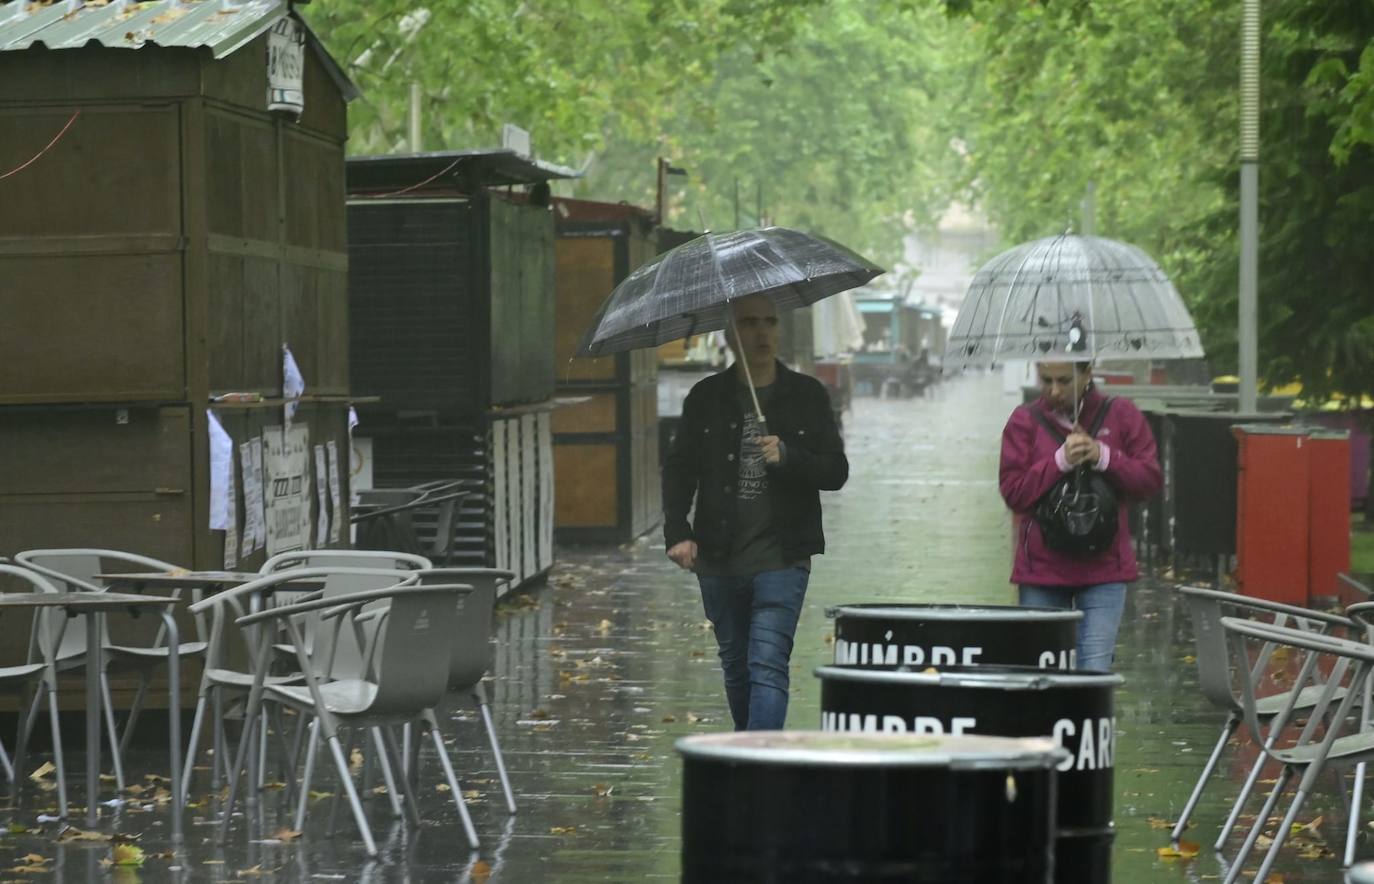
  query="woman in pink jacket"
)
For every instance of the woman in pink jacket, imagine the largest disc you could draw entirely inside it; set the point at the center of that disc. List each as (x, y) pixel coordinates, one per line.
(1033, 460)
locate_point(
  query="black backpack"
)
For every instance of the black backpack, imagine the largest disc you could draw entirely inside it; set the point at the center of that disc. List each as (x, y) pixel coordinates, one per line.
(1077, 517)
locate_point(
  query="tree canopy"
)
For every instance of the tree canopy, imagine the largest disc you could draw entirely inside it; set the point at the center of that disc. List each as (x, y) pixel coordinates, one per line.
(865, 119)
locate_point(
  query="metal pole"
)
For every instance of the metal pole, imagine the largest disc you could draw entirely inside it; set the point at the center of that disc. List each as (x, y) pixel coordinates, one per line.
(1248, 334)
(414, 119)
(660, 189)
(1090, 209)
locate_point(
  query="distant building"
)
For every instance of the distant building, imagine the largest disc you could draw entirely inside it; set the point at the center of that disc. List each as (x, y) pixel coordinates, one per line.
(946, 259)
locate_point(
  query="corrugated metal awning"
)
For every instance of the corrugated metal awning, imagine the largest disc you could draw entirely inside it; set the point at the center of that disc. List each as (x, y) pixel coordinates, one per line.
(218, 25)
(449, 171)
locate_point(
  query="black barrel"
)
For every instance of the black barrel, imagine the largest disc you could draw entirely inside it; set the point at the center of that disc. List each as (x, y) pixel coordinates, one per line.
(799, 806)
(1073, 708)
(885, 636)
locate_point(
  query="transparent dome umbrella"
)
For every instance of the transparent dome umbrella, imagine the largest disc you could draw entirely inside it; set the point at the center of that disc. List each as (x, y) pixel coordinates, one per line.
(1071, 298)
(687, 290)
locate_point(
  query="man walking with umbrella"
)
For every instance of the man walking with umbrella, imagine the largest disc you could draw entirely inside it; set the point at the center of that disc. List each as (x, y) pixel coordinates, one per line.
(756, 444)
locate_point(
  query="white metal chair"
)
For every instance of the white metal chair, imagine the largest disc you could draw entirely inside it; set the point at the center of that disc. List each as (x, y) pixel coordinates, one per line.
(40, 674)
(406, 665)
(471, 658)
(225, 608)
(1207, 607)
(74, 570)
(1341, 743)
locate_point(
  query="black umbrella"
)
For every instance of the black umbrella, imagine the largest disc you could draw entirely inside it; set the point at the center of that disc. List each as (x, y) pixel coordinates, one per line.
(687, 291)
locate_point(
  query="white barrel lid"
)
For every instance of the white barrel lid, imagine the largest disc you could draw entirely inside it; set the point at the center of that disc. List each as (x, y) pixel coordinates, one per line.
(1000, 613)
(993, 677)
(833, 749)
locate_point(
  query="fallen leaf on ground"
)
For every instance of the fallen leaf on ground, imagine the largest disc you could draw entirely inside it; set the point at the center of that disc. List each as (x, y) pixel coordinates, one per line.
(443, 787)
(562, 830)
(127, 855)
(602, 790)
(43, 770)
(29, 870)
(472, 795)
(669, 719)
(285, 834)
(34, 859)
(1184, 850)
(480, 871)
(72, 833)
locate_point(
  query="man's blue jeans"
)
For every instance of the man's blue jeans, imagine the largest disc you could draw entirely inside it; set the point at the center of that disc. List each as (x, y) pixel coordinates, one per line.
(755, 617)
(1101, 605)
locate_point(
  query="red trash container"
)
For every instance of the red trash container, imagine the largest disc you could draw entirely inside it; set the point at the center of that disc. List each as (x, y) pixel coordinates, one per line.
(1328, 545)
(1272, 513)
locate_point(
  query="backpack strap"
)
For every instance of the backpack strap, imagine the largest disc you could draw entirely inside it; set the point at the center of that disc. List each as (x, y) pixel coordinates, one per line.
(1055, 430)
(1101, 416)
(1058, 432)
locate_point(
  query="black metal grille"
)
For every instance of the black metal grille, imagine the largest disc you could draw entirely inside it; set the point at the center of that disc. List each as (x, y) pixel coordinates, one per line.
(416, 336)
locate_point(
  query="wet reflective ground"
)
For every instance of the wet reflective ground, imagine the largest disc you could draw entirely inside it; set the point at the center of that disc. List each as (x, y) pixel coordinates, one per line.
(599, 672)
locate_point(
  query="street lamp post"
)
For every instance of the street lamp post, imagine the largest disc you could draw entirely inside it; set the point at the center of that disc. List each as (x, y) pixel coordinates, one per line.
(1248, 334)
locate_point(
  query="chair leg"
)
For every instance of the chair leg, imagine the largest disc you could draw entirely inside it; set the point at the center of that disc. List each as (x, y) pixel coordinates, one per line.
(1282, 834)
(20, 742)
(457, 790)
(287, 769)
(57, 753)
(262, 750)
(134, 709)
(393, 792)
(192, 746)
(347, 781)
(505, 779)
(1239, 806)
(32, 716)
(1258, 828)
(5, 756)
(393, 758)
(1228, 730)
(1356, 798)
(112, 731)
(313, 742)
(219, 765)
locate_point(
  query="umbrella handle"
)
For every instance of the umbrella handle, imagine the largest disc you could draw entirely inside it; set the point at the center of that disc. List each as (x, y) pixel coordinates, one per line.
(749, 377)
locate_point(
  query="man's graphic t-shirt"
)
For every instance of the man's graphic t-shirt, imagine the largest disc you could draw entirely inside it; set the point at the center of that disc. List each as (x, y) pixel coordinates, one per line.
(756, 547)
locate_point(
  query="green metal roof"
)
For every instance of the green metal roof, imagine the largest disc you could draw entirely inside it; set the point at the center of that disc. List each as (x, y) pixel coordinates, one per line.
(221, 26)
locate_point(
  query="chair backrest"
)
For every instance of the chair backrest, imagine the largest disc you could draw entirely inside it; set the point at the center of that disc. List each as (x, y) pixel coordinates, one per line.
(345, 558)
(471, 656)
(415, 644)
(440, 549)
(1208, 607)
(74, 570)
(42, 636)
(347, 655)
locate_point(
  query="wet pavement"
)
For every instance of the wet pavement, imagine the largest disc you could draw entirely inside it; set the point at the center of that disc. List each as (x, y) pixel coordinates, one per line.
(600, 671)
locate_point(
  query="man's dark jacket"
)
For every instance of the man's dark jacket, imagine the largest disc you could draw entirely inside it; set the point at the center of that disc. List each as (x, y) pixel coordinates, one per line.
(704, 461)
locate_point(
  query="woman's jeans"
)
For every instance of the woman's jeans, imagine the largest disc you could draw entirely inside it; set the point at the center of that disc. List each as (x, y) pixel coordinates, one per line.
(755, 618)
(1101, 605)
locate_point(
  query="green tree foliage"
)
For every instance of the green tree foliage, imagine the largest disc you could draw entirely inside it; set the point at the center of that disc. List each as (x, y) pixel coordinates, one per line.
(561, 68)
(844, 131)
(863, 119)
(1141, 98)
